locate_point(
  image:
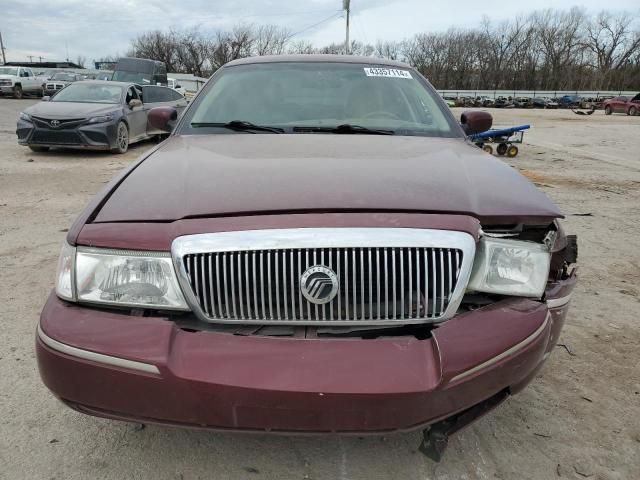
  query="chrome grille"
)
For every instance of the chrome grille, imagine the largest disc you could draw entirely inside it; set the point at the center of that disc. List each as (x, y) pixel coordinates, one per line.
(378, 283)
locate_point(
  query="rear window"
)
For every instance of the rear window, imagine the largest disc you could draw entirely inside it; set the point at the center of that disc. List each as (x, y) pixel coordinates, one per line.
(154, 94)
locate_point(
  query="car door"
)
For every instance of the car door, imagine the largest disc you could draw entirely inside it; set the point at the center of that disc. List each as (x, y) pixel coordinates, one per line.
(136, 115)
(620, 104)
(29, 82)
(156, 96)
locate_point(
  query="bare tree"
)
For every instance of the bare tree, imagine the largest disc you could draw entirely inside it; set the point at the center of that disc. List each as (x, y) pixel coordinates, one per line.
(228, 46)
(547, 50)
(271, 40)
(389, 49)
(301, 47)
(612, 44)
(192, 51)
(81, 61)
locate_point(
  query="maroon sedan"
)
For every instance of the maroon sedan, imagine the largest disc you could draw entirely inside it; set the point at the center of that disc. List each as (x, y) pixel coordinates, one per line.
(622, 104)
(316, 248)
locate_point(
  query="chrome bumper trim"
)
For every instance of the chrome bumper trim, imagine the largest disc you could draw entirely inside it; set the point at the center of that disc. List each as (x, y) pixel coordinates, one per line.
(558, 302)
(95, 357)
(506, 353)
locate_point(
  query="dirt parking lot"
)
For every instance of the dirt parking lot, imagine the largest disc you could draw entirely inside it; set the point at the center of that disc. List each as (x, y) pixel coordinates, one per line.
(579, 419)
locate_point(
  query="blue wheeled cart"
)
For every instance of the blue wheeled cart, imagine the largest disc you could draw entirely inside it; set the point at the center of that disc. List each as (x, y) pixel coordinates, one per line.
(505, 138)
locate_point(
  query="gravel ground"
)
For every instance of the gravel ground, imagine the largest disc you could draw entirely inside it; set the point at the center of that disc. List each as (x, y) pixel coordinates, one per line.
(579, 418)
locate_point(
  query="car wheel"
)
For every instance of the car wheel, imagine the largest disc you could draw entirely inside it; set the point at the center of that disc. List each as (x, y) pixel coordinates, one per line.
(512, 151)
(38, 149)
(17, 92)
(633, 112)
(607, 110)
(122, 138)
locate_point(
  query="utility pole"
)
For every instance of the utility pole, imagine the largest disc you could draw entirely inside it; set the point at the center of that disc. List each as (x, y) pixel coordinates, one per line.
(4, 58)
(346, 5)
(30, 58)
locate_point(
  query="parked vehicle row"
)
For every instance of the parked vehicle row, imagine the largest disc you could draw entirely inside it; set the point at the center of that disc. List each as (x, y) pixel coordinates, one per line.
(621, 104)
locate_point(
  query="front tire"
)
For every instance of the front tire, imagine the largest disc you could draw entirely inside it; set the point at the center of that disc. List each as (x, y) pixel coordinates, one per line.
(38, 149)
(633, 111)
(607, 110)
(17, 92)
(122, 138)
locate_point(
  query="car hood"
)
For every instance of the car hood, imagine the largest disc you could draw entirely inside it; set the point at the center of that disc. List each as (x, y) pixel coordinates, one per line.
(249, 174)
(8, 77)
(69, 109)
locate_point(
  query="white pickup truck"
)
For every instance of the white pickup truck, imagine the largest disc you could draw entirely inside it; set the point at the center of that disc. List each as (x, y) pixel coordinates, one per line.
(15, 81)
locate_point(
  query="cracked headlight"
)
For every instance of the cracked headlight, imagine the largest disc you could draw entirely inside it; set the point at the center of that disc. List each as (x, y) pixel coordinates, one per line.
(64, 276)
(119, 277)
(510, 267)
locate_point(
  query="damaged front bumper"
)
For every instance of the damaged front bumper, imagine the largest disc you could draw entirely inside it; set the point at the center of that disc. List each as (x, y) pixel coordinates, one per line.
(146, 369)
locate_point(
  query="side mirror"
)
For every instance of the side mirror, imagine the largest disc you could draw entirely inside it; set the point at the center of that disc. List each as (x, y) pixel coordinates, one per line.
(46, 98)
(135, 103)
(162, 118)
(475, 121)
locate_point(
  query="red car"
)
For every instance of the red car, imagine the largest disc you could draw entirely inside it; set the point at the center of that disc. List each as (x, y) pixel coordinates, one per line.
(316, 248)
(622, 104)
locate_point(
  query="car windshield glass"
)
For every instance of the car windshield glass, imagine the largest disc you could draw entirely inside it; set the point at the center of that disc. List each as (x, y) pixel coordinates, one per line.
(64, 77)
(300, 96)
(89, 93)
(132, 77)
(8, 71)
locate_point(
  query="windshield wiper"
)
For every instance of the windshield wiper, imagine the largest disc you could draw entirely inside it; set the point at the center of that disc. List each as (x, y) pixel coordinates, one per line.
(345, 128)
(240, 126)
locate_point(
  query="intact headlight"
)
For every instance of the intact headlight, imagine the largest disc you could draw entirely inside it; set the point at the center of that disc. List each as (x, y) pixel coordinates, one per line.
(100, 119)
(510, 267)
(24, 116)
(119, 277)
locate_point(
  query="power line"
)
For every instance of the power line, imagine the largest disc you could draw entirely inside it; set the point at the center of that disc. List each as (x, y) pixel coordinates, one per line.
(335, 15)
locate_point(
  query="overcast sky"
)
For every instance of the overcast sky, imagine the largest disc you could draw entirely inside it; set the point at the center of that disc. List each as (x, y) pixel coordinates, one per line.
(98, 28)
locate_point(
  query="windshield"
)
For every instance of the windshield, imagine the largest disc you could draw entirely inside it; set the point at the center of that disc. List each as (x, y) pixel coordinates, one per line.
(89, 93)
(64, 77)
(132, 77)
(302, 96)
(8, 71)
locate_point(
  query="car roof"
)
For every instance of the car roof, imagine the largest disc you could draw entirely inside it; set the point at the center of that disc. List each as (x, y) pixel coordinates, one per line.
(120, 84)
(109, 82)
(316, 58)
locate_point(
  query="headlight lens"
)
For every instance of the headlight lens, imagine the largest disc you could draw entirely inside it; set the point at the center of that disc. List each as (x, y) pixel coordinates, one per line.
(510, 267)
(25, 117)
(65, 273)
(100, 119)
(119, 277)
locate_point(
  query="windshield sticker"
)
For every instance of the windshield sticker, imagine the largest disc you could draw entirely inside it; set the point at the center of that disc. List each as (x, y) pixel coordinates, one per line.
(386, 72)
